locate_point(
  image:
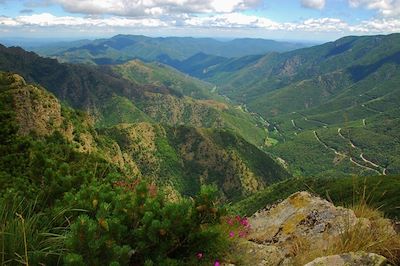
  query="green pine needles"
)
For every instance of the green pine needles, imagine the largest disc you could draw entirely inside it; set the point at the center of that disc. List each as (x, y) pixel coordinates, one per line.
(137, 227)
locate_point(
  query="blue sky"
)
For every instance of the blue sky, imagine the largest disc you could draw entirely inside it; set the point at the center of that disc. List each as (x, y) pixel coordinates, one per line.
(314, 20)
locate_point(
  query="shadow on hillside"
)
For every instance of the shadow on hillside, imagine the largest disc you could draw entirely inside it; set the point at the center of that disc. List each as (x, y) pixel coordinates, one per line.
(361, 71)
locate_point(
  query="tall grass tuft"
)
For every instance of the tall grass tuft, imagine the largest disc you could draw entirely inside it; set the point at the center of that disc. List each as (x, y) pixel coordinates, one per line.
(373, 234)
(28, 237)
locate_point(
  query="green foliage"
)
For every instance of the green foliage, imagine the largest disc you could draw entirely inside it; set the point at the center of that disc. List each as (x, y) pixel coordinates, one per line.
(171, 168)
(139, 227)
(134, 92)
(118, 110)
(382, 192)
(28, 236)
(95, 237)
(350, 83)
(159, 75)
(46, 168)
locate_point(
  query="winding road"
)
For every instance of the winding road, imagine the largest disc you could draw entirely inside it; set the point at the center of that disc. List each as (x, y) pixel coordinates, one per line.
(368, 161)
(373, 164)
(363, 166)
(349, 140)
(344, 155)
(371, 109)
(339, 131)
(295, 126)
(362, 154)
(326, 146)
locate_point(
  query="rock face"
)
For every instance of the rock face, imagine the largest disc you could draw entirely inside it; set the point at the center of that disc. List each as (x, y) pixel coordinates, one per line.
(36, 110)
(350, 259)
(300, 216)
(260, 255)
(279, 233)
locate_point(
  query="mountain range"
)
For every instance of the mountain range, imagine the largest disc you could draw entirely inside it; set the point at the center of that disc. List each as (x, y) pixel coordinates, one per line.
(151, 151)
(170, 50)
(179, 157)
(336, 101)
(179, 121)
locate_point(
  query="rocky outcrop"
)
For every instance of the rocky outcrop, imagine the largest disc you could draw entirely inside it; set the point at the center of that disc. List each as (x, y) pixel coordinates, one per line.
(350, 259)
(260, 255)
(300, 216)
(36, 110)
(303, 223)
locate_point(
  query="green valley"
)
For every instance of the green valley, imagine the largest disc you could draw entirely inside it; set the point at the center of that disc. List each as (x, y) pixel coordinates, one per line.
(178, 156)
(135, 150)
(161, 94)
(308, 95)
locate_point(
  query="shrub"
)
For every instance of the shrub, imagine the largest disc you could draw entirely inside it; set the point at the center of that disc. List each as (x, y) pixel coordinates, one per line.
(133, 224)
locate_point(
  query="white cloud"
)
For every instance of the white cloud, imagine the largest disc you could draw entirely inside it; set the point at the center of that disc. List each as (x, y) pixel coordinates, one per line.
(6, 21)
(232, 20)
(220, 21)
(389, 8)
(314, 4)
(377, 26)
(321, 25)
(49, 20)
(155, 7)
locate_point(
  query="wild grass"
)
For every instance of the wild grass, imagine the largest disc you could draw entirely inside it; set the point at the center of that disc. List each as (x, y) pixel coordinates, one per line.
(372, 233)
(28, 237)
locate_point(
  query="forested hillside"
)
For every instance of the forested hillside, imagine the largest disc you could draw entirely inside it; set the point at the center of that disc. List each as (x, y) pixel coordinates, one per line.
(181, 157)
(335, 103)
(134, 92)
(55, 163)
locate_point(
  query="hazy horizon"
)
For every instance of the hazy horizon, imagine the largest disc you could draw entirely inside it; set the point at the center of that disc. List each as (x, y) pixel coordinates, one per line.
(39, 41)
(299, 20)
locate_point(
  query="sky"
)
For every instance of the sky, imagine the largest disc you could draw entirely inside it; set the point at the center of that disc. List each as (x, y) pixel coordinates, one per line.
(305, 20)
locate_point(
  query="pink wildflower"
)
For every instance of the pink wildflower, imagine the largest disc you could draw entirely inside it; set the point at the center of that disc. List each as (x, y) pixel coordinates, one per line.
(231, 234)
(199, 255)
(217, 263)
(242, 234)
(245, 222)
(229, 221)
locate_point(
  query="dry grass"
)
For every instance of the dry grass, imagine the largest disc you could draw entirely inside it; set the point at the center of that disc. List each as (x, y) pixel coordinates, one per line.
(373, 234)
(377, 237)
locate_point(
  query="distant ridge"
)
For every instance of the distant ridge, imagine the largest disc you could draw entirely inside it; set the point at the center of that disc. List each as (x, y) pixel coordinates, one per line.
(122, 48)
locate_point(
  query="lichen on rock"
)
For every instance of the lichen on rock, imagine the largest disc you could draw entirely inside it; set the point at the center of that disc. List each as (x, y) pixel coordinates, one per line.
(300, 216)
(350, 259)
